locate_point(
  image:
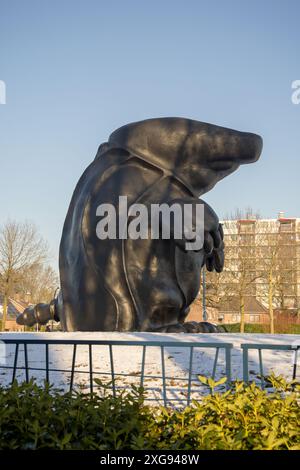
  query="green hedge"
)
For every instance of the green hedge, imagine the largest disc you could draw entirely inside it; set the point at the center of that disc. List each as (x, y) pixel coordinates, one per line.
(293, 329)
(244, 418)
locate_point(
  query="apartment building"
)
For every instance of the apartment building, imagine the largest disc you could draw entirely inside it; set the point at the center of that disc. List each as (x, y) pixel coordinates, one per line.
(262, 268)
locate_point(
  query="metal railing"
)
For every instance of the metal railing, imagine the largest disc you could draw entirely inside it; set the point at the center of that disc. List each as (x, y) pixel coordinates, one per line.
(21, 352)
(260, 347)
(92, 373)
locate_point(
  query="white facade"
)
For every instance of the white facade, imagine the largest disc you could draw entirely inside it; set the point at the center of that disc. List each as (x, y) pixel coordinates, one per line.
(268, 251)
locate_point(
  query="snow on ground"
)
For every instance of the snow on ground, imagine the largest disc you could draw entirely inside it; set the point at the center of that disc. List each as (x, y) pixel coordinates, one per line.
(128, 359)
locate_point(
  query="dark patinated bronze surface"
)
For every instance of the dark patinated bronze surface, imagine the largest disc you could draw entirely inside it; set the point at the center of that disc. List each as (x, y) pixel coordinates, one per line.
(144, 284)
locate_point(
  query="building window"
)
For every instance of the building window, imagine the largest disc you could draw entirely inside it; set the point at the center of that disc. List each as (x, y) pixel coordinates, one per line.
(286, 226)
(236, 318)
(246, 227)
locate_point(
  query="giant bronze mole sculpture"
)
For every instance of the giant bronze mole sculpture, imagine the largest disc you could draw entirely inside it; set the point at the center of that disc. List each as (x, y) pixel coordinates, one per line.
(143, 284)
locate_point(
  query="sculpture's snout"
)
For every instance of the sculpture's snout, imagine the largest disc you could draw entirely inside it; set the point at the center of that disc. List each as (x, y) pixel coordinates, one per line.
(229, 149)
(251, 147)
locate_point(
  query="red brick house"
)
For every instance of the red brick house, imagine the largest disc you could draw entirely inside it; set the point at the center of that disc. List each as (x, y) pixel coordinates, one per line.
(228, 312)
(14, 308)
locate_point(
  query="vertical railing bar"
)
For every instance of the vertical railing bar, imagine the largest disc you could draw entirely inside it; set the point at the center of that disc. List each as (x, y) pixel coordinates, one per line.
(190, 375)
(261, 370)
(143, 366)
(73, 367)
(15, 362)
(112, 370)
(295, 363)
(163, 374)
(245, 365)
(228, 366)
(215, 364)
(47, 362)
(91, 367)
(26, 362)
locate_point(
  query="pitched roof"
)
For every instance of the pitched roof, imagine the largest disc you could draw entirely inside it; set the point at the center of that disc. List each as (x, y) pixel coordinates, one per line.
(252, 305)
(14, 307)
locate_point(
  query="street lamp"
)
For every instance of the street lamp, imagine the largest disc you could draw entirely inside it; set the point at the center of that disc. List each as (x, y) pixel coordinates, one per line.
(204, 311)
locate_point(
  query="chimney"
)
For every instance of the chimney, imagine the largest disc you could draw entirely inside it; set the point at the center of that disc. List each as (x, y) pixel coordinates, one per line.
(280, 215)
(27, 297)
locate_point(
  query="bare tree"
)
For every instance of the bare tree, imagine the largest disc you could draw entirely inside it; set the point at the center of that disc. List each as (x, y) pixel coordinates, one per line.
(248, 213)
(214, 289)
(260, 263)
(275, 262)
(242, 274)
(40, 281)
(238, 279)
(21, 247)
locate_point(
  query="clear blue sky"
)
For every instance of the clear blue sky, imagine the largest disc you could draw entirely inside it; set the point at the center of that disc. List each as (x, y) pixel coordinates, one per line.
(77, 69)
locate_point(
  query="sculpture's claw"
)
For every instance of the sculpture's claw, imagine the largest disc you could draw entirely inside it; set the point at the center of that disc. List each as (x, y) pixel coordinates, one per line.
(214, 248)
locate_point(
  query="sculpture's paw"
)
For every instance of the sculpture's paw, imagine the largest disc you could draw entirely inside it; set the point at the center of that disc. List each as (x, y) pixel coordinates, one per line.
(214, 249)
(191, 327)
(37, 314)
(200, 327)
